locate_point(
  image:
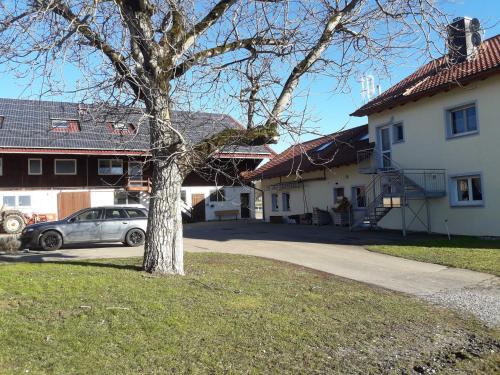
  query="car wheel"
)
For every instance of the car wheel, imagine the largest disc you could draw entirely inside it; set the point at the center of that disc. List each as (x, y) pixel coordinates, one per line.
(13, 224)
(135, 237)
(51, 240)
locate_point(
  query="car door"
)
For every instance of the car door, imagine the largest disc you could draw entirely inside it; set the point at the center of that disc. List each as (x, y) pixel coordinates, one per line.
(114, 224)
(84, 227)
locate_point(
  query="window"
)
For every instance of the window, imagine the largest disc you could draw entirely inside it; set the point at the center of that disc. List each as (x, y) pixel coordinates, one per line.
(88, 215)
(125, 197)
(462, 121)
(285, 200)
(398, 133)
(135, 213)
(218, 196)
(467, 190)
(9, 200)
(1, 167)
(183, 196)
(114, 213)
(24, 200)
(274, 202)
(338, 195)
(65, 166)
(359, 196)
(34, 166)
(119, 126)
(59, 124)
(110, 167)
(19, 201)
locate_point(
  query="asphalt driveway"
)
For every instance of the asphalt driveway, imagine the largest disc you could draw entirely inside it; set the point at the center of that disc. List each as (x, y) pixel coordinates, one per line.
(329, 249)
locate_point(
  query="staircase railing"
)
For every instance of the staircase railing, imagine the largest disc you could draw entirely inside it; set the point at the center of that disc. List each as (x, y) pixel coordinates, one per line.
(186, 209)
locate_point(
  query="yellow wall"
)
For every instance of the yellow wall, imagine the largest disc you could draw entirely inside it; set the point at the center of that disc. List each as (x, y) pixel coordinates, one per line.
(426, 146)
(310, 194)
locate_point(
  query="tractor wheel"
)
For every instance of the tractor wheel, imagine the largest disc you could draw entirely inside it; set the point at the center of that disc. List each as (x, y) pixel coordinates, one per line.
(13, 224)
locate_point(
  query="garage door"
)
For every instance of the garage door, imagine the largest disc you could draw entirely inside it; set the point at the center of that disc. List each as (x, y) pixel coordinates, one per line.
(69, 202)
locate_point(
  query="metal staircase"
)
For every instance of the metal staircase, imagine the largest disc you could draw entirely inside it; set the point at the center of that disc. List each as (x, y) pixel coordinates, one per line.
(393, 187)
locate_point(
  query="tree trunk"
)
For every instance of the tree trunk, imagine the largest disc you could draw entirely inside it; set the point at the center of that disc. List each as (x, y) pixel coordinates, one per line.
(163, 252)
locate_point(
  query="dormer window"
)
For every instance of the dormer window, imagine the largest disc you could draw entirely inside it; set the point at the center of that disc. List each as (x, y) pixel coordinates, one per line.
(120, 127)
(65, 125)
(60, 124)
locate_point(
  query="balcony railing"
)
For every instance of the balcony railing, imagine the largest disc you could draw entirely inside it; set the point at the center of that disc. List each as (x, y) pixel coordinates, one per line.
(134, 184)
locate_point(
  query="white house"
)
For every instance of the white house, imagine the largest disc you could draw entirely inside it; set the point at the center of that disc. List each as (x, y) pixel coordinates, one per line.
(436, 142)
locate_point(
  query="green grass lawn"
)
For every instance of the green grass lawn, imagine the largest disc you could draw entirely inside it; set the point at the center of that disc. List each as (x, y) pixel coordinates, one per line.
(230, 314)
(462, 252)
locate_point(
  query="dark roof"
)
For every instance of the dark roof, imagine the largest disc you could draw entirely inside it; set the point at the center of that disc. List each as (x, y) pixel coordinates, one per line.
(437, 76)
(330, 151)
(27, 125)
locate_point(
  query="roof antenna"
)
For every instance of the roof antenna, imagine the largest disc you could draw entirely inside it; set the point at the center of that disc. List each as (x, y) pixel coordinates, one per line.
(367, 87)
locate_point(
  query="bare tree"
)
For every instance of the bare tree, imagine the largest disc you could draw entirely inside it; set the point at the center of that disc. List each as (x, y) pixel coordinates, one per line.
(164, 54)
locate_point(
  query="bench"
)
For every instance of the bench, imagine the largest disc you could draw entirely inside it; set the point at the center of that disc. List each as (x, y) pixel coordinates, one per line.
(220, 214)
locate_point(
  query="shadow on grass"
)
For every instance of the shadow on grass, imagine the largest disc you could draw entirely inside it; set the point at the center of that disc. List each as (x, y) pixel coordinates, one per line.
(63, 259)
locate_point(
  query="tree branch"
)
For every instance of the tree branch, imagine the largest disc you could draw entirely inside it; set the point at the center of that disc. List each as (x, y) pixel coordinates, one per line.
(62, 9)
(202, 26)
(183, 67)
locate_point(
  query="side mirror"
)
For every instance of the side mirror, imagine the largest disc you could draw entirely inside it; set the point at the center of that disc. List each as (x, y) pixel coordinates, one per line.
(72, 220)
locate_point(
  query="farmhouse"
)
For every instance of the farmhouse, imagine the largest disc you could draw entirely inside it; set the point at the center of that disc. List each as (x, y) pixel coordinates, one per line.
(315, 174)
(427, 160)
(58, 157)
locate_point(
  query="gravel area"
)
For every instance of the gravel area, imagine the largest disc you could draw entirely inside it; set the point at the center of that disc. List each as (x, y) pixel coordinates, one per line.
(482, 300)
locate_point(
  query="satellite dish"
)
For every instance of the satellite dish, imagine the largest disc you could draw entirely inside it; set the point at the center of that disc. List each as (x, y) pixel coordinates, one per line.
(474, 25)
(476, 39)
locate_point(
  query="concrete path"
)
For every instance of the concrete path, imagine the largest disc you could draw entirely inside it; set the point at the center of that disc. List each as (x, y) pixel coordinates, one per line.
(327, 249)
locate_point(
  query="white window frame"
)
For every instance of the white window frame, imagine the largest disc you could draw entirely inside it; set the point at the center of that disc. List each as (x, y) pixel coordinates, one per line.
(110, 168)
(18, 200)
(60, 125)
(449, 121)
(29, 167)
(394, 132)
(454, 202)
(286, 207)
(274, 207)
(119, 126)
(65, 174)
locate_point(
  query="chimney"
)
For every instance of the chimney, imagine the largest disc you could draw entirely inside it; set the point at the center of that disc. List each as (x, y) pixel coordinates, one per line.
(463, 39)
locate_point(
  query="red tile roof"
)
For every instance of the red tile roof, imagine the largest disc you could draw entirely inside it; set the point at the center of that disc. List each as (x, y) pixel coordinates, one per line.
(305, 157)
(437, 76)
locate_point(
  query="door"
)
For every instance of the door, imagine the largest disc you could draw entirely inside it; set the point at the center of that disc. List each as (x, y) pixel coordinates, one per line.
(245, 205)
(135, 173)
(114, 224)
(198, 203)
(84, 227)
(385, 147)
(70, 202)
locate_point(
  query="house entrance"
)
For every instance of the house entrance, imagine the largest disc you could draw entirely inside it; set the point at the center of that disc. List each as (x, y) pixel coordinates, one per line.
(198, 204)
(245, 205)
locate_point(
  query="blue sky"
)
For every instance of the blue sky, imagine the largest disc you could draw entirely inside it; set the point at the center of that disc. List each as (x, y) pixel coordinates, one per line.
(331, 111)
